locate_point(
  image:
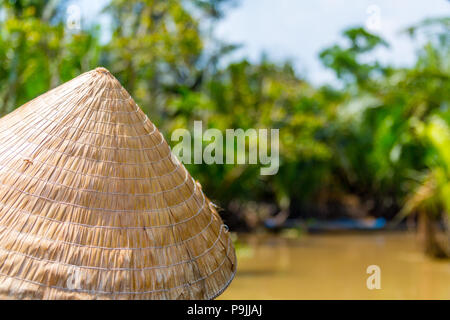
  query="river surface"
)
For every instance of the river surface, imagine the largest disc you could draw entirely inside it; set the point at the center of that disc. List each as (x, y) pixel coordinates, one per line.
(334, 267)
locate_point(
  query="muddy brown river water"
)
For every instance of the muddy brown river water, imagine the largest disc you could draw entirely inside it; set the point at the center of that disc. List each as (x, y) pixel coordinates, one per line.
(334, 267)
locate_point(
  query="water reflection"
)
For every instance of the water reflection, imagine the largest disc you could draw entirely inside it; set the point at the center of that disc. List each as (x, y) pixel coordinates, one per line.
(334, 267)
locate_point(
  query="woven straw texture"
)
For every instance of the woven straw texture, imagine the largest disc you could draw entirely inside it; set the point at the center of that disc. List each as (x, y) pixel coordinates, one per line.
(94, 206)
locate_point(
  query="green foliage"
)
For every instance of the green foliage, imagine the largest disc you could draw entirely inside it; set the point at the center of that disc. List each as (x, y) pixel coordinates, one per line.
(346, 61)
(37, 53)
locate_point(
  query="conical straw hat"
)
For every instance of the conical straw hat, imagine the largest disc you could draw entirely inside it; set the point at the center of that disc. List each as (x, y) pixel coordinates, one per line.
(94, 206)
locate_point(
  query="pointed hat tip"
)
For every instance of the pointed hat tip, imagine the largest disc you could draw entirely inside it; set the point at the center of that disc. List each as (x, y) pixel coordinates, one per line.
(102, 70)
(104, 73)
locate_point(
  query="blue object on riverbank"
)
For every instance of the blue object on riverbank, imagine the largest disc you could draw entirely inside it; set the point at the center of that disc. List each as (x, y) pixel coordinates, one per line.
(346, 224)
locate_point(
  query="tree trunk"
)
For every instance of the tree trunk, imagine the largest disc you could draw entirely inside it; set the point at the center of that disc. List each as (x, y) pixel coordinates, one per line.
(428, 230)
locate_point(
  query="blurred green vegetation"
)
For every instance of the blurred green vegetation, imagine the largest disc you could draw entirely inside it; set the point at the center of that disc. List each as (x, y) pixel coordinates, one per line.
(374, 145)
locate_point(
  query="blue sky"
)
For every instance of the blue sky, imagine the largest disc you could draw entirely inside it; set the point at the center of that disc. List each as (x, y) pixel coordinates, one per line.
(298, 30)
